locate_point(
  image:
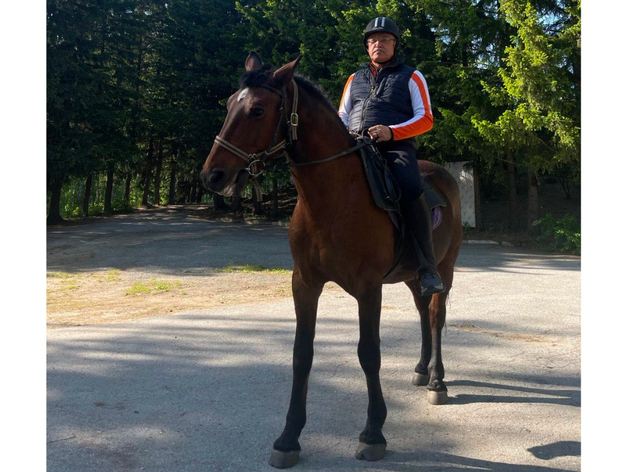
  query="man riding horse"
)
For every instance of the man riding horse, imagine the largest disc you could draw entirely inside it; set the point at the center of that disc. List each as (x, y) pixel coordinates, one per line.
(390, 101)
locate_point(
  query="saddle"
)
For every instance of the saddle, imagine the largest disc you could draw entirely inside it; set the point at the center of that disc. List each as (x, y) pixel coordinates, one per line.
(387, 195)
(385, 189)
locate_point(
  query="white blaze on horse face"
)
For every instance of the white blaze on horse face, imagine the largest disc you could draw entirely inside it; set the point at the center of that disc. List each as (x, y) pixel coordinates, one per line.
(243, 94)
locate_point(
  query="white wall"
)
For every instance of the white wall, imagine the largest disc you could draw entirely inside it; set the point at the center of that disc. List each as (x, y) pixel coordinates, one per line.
(467, 190)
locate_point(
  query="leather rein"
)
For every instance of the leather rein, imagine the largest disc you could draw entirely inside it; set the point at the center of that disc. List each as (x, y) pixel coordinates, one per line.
(260, 158)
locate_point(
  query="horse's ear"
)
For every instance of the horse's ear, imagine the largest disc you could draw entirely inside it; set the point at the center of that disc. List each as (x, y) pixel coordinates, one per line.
(284, 74)
(252, 62)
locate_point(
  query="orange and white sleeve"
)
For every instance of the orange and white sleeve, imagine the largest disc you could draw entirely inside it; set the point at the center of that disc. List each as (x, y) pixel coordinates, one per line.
(422, 121)
(345, 102)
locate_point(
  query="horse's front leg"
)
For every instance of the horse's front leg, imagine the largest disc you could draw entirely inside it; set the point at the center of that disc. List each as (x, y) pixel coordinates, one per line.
(372, 442)
(286, 448)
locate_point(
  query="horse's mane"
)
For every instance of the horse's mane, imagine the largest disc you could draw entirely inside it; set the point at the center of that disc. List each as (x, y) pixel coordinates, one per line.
(261, 76)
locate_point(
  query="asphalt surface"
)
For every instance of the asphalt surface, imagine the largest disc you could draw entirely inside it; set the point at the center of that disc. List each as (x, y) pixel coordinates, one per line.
(208, 390)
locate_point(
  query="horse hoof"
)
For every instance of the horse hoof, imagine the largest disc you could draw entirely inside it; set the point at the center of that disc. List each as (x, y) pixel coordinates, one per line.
(437, 398)
(370, 452)
(420, 380)
(283, 460)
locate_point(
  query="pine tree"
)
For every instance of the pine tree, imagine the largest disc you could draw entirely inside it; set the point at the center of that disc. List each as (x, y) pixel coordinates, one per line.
(540, 91)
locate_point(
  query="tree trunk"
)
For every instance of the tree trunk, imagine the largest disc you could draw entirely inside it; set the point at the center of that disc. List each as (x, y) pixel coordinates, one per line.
(146, 190)
(219, 203)
(192, 196)
(109, 193)
(54, 212)
(172, 191)
(158, 167)
(513, 215)
(236, 204)
(148, 170)
(87, 194)
(533, 200)
(257, 205)
(127, 190)
(477, 196)
(199, 192)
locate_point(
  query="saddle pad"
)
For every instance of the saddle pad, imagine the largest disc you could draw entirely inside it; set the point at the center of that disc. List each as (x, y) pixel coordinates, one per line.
(437, 218)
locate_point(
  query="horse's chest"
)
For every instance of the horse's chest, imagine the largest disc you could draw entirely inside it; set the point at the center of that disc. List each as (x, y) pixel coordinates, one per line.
(341, 251)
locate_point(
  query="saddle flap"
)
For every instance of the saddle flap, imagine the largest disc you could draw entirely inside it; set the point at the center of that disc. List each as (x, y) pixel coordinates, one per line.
(384, 187)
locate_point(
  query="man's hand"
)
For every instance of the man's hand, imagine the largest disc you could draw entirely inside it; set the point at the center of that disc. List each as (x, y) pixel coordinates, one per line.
(380, 133)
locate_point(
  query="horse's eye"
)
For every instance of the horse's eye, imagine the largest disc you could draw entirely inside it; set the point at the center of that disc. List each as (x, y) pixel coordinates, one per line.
(256, 112)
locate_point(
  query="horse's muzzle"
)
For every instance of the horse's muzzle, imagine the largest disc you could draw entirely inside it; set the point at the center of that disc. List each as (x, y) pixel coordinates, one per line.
(213, 179)
(223, 182)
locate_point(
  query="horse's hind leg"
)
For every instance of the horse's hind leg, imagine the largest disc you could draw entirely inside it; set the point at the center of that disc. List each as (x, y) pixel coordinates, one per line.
(372, 442)
(430, 370)
(286, 448)
(421, 374)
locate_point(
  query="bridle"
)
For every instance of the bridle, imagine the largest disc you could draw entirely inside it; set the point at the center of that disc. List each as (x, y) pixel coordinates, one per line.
(259, 159)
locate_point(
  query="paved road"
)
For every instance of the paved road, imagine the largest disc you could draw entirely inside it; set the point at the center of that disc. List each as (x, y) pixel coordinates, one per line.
(208, 390)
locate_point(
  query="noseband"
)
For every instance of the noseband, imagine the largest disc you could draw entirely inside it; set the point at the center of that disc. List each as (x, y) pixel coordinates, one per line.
(258, 159)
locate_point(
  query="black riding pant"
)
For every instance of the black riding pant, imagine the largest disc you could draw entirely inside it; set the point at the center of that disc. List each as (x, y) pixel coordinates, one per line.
(401, 157)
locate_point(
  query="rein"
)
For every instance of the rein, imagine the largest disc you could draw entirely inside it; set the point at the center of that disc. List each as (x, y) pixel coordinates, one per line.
(328, 159)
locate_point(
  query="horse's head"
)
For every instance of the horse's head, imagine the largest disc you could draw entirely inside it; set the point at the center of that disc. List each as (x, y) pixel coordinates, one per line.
(254, 130)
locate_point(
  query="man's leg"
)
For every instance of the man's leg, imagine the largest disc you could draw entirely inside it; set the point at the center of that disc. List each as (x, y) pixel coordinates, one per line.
(419, 222)
(402, 161)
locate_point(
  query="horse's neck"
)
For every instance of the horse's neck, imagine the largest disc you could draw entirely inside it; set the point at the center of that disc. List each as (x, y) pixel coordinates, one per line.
(321, 186)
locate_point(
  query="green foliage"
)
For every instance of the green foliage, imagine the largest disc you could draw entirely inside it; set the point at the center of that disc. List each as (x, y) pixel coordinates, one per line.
(560, 234)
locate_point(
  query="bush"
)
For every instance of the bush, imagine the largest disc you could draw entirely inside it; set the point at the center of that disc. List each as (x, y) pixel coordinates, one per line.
(562, 235)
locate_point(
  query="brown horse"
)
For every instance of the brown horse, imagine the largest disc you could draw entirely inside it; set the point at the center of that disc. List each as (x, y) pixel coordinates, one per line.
(336, 233)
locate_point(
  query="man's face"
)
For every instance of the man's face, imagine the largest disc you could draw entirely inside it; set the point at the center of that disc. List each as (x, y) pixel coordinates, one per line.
(381, 47)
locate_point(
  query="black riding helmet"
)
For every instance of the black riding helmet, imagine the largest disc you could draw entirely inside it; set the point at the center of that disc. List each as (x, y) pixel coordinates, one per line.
(382, 24)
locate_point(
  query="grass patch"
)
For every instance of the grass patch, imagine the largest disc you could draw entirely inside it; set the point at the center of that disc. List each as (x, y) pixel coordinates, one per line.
(110, 276)
(64, 281)
(249, 269)
(154, 286)
(59, 275)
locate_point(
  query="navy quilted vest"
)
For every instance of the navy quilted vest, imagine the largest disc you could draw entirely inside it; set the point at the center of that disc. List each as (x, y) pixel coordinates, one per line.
(381, 100)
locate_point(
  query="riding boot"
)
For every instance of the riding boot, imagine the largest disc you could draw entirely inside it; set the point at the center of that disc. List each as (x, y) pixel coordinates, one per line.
(419, 220)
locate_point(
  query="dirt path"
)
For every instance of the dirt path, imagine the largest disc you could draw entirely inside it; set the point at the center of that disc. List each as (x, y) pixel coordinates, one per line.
(161, 261)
